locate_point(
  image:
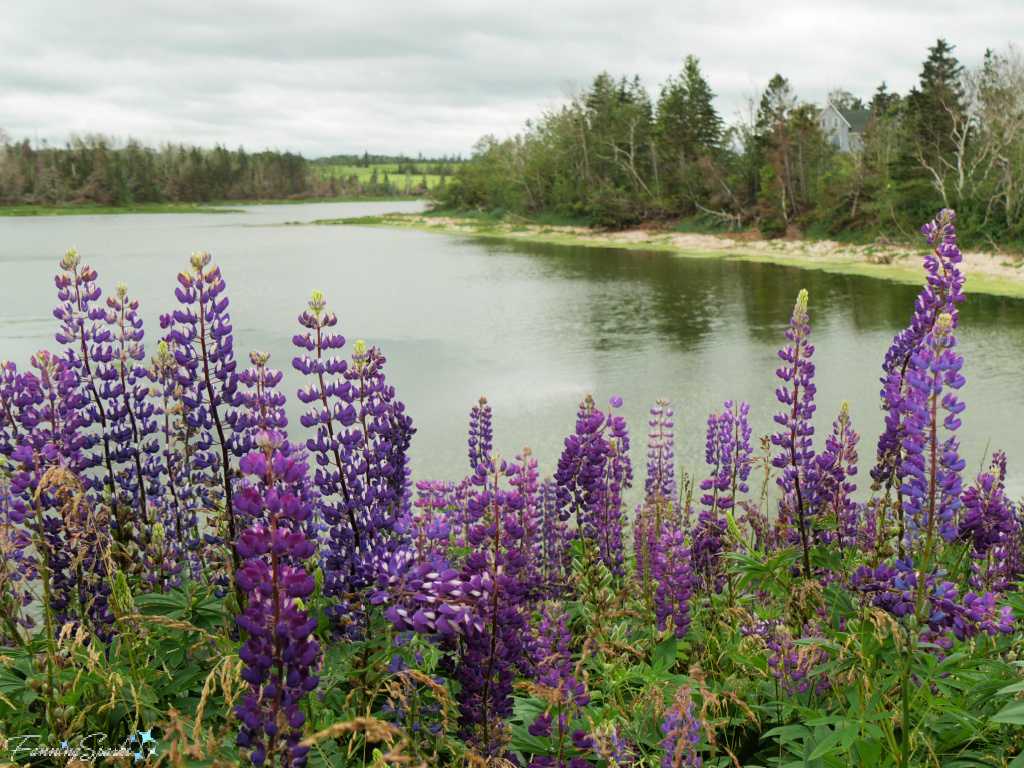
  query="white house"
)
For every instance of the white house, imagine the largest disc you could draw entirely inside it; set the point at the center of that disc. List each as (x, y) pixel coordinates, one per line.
(844, 127)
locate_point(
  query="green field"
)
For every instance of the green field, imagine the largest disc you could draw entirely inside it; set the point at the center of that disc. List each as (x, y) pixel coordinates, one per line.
(365, 174)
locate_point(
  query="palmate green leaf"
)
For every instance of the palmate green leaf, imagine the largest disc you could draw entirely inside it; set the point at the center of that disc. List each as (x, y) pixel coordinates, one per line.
(1017, 762)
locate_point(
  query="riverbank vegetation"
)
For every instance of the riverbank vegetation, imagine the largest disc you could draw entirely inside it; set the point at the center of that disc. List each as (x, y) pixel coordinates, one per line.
(619, 158)
(187, 578)
(96, 171)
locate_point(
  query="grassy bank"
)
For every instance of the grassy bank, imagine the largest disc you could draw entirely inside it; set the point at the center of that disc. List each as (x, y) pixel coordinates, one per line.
(998, 275)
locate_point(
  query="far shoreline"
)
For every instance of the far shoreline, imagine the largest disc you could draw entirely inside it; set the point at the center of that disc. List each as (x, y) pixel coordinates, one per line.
(213, 206)
(987, 273)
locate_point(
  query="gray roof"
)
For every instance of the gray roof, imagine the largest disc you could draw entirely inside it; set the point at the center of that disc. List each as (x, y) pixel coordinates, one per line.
(857, 118)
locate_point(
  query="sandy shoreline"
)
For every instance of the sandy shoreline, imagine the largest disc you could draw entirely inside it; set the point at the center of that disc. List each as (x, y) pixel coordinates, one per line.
(987, 272)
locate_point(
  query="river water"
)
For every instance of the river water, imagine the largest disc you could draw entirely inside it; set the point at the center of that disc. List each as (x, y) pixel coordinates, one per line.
(533, 327)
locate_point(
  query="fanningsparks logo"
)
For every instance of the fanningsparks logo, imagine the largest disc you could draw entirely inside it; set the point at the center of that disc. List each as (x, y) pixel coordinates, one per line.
(140, 746)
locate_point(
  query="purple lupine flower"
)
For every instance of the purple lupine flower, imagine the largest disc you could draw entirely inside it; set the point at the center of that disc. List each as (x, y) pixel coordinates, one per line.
(426, 716)
(378, 477)
(673, 574)
(329, 396)
(49, 404)
(18, 568)
(933, 468)
(617, 752)
(661, 470)
(426, 597)
(486, 666)
(554, 557)
(203, 350)
(793, 665)
(988, 524)
(609, 511)
(179, 506)
(87, 349)
(986, 519)
(9, 417)
(796, 456)
(428, 525)
(728, 451)
(130, 413)
(592, 470)
(480, 433)
(263, 406)
(836, 464)
(566, 698)
(581, 465)
(551, 650)
(279, 654)
(526, 485)
(897, 588)
(943, 290)
(682, 733)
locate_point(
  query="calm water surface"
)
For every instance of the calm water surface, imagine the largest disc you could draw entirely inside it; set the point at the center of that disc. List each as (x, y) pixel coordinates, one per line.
(534, 327)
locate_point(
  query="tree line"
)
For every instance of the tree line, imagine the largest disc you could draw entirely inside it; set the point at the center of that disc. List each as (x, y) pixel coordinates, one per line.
(616, 157)
(98, 170)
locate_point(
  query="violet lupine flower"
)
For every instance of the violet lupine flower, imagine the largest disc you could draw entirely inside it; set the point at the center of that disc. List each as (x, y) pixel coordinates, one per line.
(263, 406)
(426, 717)
(428, 524)
(617, 752)
(279, 654)
(592, 470)
(682, 733)
(87, 349)
(130, 413)
(526, 485)
(49, 403)
(179, 505)
(486, 667)
(9, 416)
(728, 451)
(17, 567)
(661, 470)
(933, 469)
(551, 649)
(895, 588)
(673, 574)
(987, 520)
(554, 557)
(329, 396)
(836, 464)
(480, 433)
(203, 350)
(793, 664)
(796, 456)
(566, 698)
(943, 290)
(378, 478)
(609, 512)
(988, 524)
(427, 597)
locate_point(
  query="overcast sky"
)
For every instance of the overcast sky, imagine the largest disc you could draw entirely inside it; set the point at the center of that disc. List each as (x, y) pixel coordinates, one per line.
(386, 76)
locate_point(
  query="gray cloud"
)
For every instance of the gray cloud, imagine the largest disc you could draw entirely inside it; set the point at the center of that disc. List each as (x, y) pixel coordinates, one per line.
(389, 76)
